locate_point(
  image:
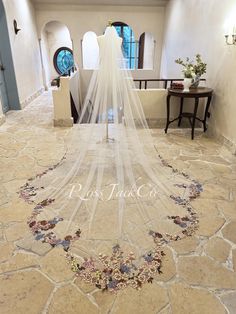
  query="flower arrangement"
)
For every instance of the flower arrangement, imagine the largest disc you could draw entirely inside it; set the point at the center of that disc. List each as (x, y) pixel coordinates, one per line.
(193, 69)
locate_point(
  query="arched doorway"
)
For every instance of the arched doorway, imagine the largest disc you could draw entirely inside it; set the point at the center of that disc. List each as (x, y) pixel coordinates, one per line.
(90, 51)
(57, 51)
(9, 97)
(146, 51)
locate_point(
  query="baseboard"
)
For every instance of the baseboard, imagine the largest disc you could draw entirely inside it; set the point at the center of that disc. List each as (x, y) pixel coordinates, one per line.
(2, 119)
(63, 122)
(27, 101)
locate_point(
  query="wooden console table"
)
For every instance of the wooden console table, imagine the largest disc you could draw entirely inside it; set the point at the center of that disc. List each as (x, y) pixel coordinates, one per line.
(196, 93)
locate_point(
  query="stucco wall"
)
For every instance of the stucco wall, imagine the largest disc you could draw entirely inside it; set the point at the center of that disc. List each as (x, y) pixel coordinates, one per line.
(25, 48)
(197, 26)
(81, 19)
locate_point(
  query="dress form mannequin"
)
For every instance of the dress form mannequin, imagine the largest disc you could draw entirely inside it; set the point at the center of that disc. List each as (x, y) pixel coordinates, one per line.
(101, 40)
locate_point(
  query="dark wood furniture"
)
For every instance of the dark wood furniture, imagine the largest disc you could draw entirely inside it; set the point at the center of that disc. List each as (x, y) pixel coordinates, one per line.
(196, 94)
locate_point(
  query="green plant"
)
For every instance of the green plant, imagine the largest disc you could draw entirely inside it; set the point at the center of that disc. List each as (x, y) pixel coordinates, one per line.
(192, 69)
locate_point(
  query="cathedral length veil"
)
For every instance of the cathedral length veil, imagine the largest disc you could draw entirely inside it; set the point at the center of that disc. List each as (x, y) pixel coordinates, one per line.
(112, 185)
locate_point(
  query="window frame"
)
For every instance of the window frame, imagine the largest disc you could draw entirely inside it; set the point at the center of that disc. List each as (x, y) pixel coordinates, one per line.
(130, 43)
(56, 55)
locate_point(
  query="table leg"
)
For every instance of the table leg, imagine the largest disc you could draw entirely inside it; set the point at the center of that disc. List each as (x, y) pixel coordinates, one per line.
(181, 110)
(206, 112)
(194, 116)
(168, 112)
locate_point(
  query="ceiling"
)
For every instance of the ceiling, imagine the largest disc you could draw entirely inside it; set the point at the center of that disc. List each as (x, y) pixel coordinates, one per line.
(105, 2)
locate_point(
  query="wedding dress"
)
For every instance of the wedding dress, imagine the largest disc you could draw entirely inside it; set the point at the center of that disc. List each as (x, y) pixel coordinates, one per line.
(112, 187)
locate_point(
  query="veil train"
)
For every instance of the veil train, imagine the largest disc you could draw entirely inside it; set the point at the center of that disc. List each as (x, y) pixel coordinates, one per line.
(113, 188)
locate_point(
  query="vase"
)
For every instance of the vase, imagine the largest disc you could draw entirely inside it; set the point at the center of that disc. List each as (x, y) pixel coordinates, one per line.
(196, 81)
(187, 84)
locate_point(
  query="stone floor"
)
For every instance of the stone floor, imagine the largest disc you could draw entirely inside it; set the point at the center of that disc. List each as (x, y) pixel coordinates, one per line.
(199, 272)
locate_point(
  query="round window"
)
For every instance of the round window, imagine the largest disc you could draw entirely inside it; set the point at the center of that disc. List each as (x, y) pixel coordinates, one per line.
(63, 60)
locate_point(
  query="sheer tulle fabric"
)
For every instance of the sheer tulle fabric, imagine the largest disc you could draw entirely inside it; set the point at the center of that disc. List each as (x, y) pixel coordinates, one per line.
(112, 182)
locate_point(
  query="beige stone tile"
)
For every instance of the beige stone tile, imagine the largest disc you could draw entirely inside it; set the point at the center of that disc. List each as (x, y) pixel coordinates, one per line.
(69, 300)
(206, 207)
(105, 301)
(150, 299)
(166, 310)
(24, 292)
(229, 300)
(6, 251)
(229, 231)
(185, 246)
(202, 271)
(209, 226)
(2, 237)
(54, 265)
(228, 209)
(18, 262)
(234, 259)
(169, 267)
(17, 210)
(84, 286)
(17, 231)
(218, 249)
(30, 244)
(215, 191)
(186, 300)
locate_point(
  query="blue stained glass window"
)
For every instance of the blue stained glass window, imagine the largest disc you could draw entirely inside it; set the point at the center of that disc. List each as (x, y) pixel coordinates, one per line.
(129, 45)
(63, 60)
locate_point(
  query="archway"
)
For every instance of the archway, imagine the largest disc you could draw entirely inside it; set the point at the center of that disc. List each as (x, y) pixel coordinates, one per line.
(9, 97)
(57, 51)
(146, 51)
(90, 50)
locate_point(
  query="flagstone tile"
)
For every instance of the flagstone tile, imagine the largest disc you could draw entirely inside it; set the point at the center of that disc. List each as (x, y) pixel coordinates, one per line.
(228, 209)
(209, 226)
(16, 231)
(6, 251)
(30, 244)
(169, 266)
(54, 265)
(229, 231)
(234, 259)
(218, 249)
(229, 300)
(186, 300)
(185, 246)
(16, 210)
(203, 271)
(24, 292)
(18, 262)
(215, 191)
(105, 301)
(84, 286)
(69, 300)
(150, 299)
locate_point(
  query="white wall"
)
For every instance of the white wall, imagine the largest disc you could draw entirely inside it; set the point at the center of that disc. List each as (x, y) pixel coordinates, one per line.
(81, 19)
(25, 48)
(197, 26)
(54, 36)
(90, 51)
(149, 51)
